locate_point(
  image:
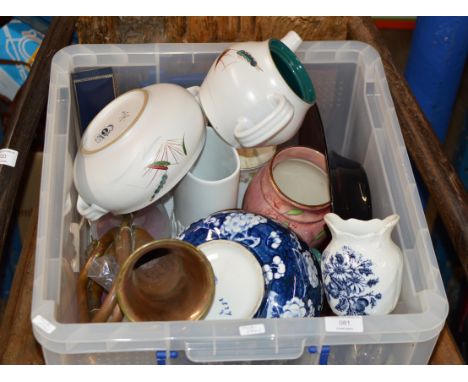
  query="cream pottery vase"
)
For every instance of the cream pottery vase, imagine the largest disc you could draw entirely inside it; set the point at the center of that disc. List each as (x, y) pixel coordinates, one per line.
(362, 266)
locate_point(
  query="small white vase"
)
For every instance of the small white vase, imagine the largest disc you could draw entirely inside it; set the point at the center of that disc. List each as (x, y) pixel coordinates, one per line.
(362, 266)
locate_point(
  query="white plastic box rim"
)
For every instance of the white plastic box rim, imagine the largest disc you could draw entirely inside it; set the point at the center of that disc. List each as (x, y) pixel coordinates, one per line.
(205, 341)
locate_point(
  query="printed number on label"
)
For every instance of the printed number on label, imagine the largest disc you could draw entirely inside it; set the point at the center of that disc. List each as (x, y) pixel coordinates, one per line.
(249, 330)
(344, 324)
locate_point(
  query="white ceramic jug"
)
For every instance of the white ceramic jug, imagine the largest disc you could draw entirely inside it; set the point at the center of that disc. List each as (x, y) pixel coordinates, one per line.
(362, 266)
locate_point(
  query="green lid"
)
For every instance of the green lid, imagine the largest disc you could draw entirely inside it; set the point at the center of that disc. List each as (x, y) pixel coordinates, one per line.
(292, 70)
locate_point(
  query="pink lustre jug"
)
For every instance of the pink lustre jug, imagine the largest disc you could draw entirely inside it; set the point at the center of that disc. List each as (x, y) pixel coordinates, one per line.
(293, 189)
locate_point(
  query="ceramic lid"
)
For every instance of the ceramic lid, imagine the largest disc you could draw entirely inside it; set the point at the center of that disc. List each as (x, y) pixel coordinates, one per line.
(239, 285)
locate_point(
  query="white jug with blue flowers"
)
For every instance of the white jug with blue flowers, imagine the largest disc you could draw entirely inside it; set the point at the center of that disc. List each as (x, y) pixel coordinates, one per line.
(362, 267)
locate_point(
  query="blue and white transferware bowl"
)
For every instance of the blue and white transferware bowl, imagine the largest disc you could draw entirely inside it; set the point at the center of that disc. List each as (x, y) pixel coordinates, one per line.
(293, 286)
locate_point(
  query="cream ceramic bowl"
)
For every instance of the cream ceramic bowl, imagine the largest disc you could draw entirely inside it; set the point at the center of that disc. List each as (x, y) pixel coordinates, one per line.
(137, 149)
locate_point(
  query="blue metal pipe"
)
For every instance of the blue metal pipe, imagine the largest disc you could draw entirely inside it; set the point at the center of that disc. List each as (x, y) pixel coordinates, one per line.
(435, 64)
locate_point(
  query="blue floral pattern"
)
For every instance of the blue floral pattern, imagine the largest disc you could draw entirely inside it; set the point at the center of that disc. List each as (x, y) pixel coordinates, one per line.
(311, 269)
(348, 280)
(274, 271)
(274, 240)
(294, 308)
(225, 308)
(292, 281)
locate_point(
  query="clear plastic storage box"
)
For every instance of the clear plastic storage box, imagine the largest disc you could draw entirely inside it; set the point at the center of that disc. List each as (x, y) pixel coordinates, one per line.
(360, 123)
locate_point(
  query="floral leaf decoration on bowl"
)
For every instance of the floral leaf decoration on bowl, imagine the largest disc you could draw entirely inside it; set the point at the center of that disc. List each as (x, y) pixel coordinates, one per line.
(294, 212)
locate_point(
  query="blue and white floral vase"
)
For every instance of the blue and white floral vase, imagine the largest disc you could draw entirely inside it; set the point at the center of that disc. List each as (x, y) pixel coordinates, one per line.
(362, 267)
